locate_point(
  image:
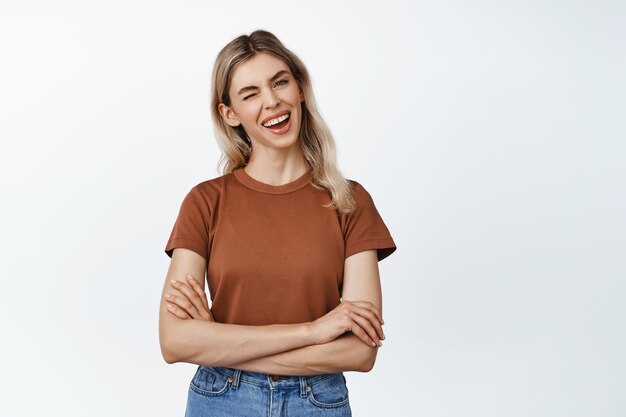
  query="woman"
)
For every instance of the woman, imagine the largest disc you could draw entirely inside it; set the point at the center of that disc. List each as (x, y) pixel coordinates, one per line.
(281, 236)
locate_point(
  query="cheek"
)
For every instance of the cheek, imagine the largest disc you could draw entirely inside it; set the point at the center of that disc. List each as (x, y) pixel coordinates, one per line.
(248, 118)
(295, 94)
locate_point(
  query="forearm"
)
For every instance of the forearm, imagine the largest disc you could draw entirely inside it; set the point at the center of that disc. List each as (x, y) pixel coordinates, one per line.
(345, 353)
(218, 344)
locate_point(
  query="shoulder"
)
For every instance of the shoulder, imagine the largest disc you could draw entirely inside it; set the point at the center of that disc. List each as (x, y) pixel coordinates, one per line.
(206, 194)
(211, 189)
(360, 193)
(214, 183)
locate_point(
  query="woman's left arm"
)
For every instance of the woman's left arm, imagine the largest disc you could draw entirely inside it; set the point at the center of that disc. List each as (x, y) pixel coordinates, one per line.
(361, 281)
(345, 353)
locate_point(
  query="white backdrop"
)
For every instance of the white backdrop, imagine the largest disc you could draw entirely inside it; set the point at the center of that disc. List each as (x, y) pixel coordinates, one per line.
(490, 135)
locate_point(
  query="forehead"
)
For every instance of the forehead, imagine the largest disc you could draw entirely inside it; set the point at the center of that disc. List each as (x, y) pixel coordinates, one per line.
(256, 70)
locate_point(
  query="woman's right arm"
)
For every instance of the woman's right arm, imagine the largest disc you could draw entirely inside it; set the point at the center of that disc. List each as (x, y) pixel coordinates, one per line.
(218, 344)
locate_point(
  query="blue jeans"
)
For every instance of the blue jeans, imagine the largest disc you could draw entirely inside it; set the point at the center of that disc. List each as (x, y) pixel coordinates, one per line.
(219, 392)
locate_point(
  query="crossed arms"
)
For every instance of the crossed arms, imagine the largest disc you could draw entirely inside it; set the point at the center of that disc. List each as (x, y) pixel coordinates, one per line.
(284, 349)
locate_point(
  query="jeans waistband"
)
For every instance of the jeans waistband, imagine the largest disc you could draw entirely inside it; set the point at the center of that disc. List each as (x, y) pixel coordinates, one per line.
(270, 381)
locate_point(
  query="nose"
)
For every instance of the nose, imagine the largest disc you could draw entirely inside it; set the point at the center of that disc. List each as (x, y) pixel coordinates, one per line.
(270, 99)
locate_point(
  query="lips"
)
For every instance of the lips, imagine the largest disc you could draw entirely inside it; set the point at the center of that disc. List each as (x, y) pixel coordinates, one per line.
(280, 128)
(275, 115)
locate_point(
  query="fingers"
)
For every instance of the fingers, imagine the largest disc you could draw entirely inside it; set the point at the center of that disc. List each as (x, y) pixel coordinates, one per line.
(203, 307)
(182, 304)
(367, 310)
(193, 298)
(191, 301)
(373, 320)
(178, 312)
(365, 330)
(195, 285)
(358, 331)
(371, 307)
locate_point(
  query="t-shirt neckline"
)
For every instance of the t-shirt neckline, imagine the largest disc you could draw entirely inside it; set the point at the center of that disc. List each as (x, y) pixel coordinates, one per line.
(256, 185)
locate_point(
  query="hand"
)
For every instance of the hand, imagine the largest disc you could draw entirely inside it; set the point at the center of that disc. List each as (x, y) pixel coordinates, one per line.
(358, 317)
(192, 303)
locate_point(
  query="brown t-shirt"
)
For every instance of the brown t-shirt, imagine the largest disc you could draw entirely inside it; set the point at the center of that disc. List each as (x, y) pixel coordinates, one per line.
(274, 253)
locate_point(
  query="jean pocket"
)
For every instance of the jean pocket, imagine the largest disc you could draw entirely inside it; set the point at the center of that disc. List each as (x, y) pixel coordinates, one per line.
(207, 381)
(329, 392)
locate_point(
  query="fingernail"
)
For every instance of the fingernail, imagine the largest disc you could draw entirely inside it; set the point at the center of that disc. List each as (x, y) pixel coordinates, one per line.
(169, 306)
(189, 277)
(167, 296)
(173, 281)
(380, 343)
(373, 344)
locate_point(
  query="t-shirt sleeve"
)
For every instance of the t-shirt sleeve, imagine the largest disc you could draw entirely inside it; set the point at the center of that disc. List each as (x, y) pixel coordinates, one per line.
(190, 230)
(365, 229)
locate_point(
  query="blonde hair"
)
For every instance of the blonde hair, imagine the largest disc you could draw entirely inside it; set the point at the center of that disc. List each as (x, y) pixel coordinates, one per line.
(316, 140)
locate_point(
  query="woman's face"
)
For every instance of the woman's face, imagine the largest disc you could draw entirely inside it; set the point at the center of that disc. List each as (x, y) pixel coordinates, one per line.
(260, 88)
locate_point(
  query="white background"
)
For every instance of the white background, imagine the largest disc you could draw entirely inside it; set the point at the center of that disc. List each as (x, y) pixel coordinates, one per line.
(489, 133)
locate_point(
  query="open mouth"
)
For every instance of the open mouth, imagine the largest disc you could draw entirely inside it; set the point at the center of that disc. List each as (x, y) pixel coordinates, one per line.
(282, 122)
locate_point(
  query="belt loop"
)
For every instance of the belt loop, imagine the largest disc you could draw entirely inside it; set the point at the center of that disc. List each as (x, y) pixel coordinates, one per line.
(303, 386)
(236, 378)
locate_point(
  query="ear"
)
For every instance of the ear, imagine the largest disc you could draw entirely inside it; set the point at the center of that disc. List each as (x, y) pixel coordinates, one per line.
(228, 115)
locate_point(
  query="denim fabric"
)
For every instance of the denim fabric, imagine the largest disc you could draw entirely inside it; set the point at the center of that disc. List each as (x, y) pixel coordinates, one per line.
(219, 392)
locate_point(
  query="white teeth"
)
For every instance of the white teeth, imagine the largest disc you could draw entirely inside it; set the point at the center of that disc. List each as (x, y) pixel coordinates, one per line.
(276, 120)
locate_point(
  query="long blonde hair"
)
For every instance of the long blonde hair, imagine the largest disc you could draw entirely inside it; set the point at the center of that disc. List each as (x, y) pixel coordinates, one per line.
(316, 140)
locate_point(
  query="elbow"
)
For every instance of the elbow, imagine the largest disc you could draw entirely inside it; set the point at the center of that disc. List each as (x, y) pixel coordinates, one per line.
(367, 364)
(168, 354)
(169, 351)
(168, 357)
(171, 343)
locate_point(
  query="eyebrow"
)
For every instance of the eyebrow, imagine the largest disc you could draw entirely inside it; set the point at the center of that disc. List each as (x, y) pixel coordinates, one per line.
(251, 87)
